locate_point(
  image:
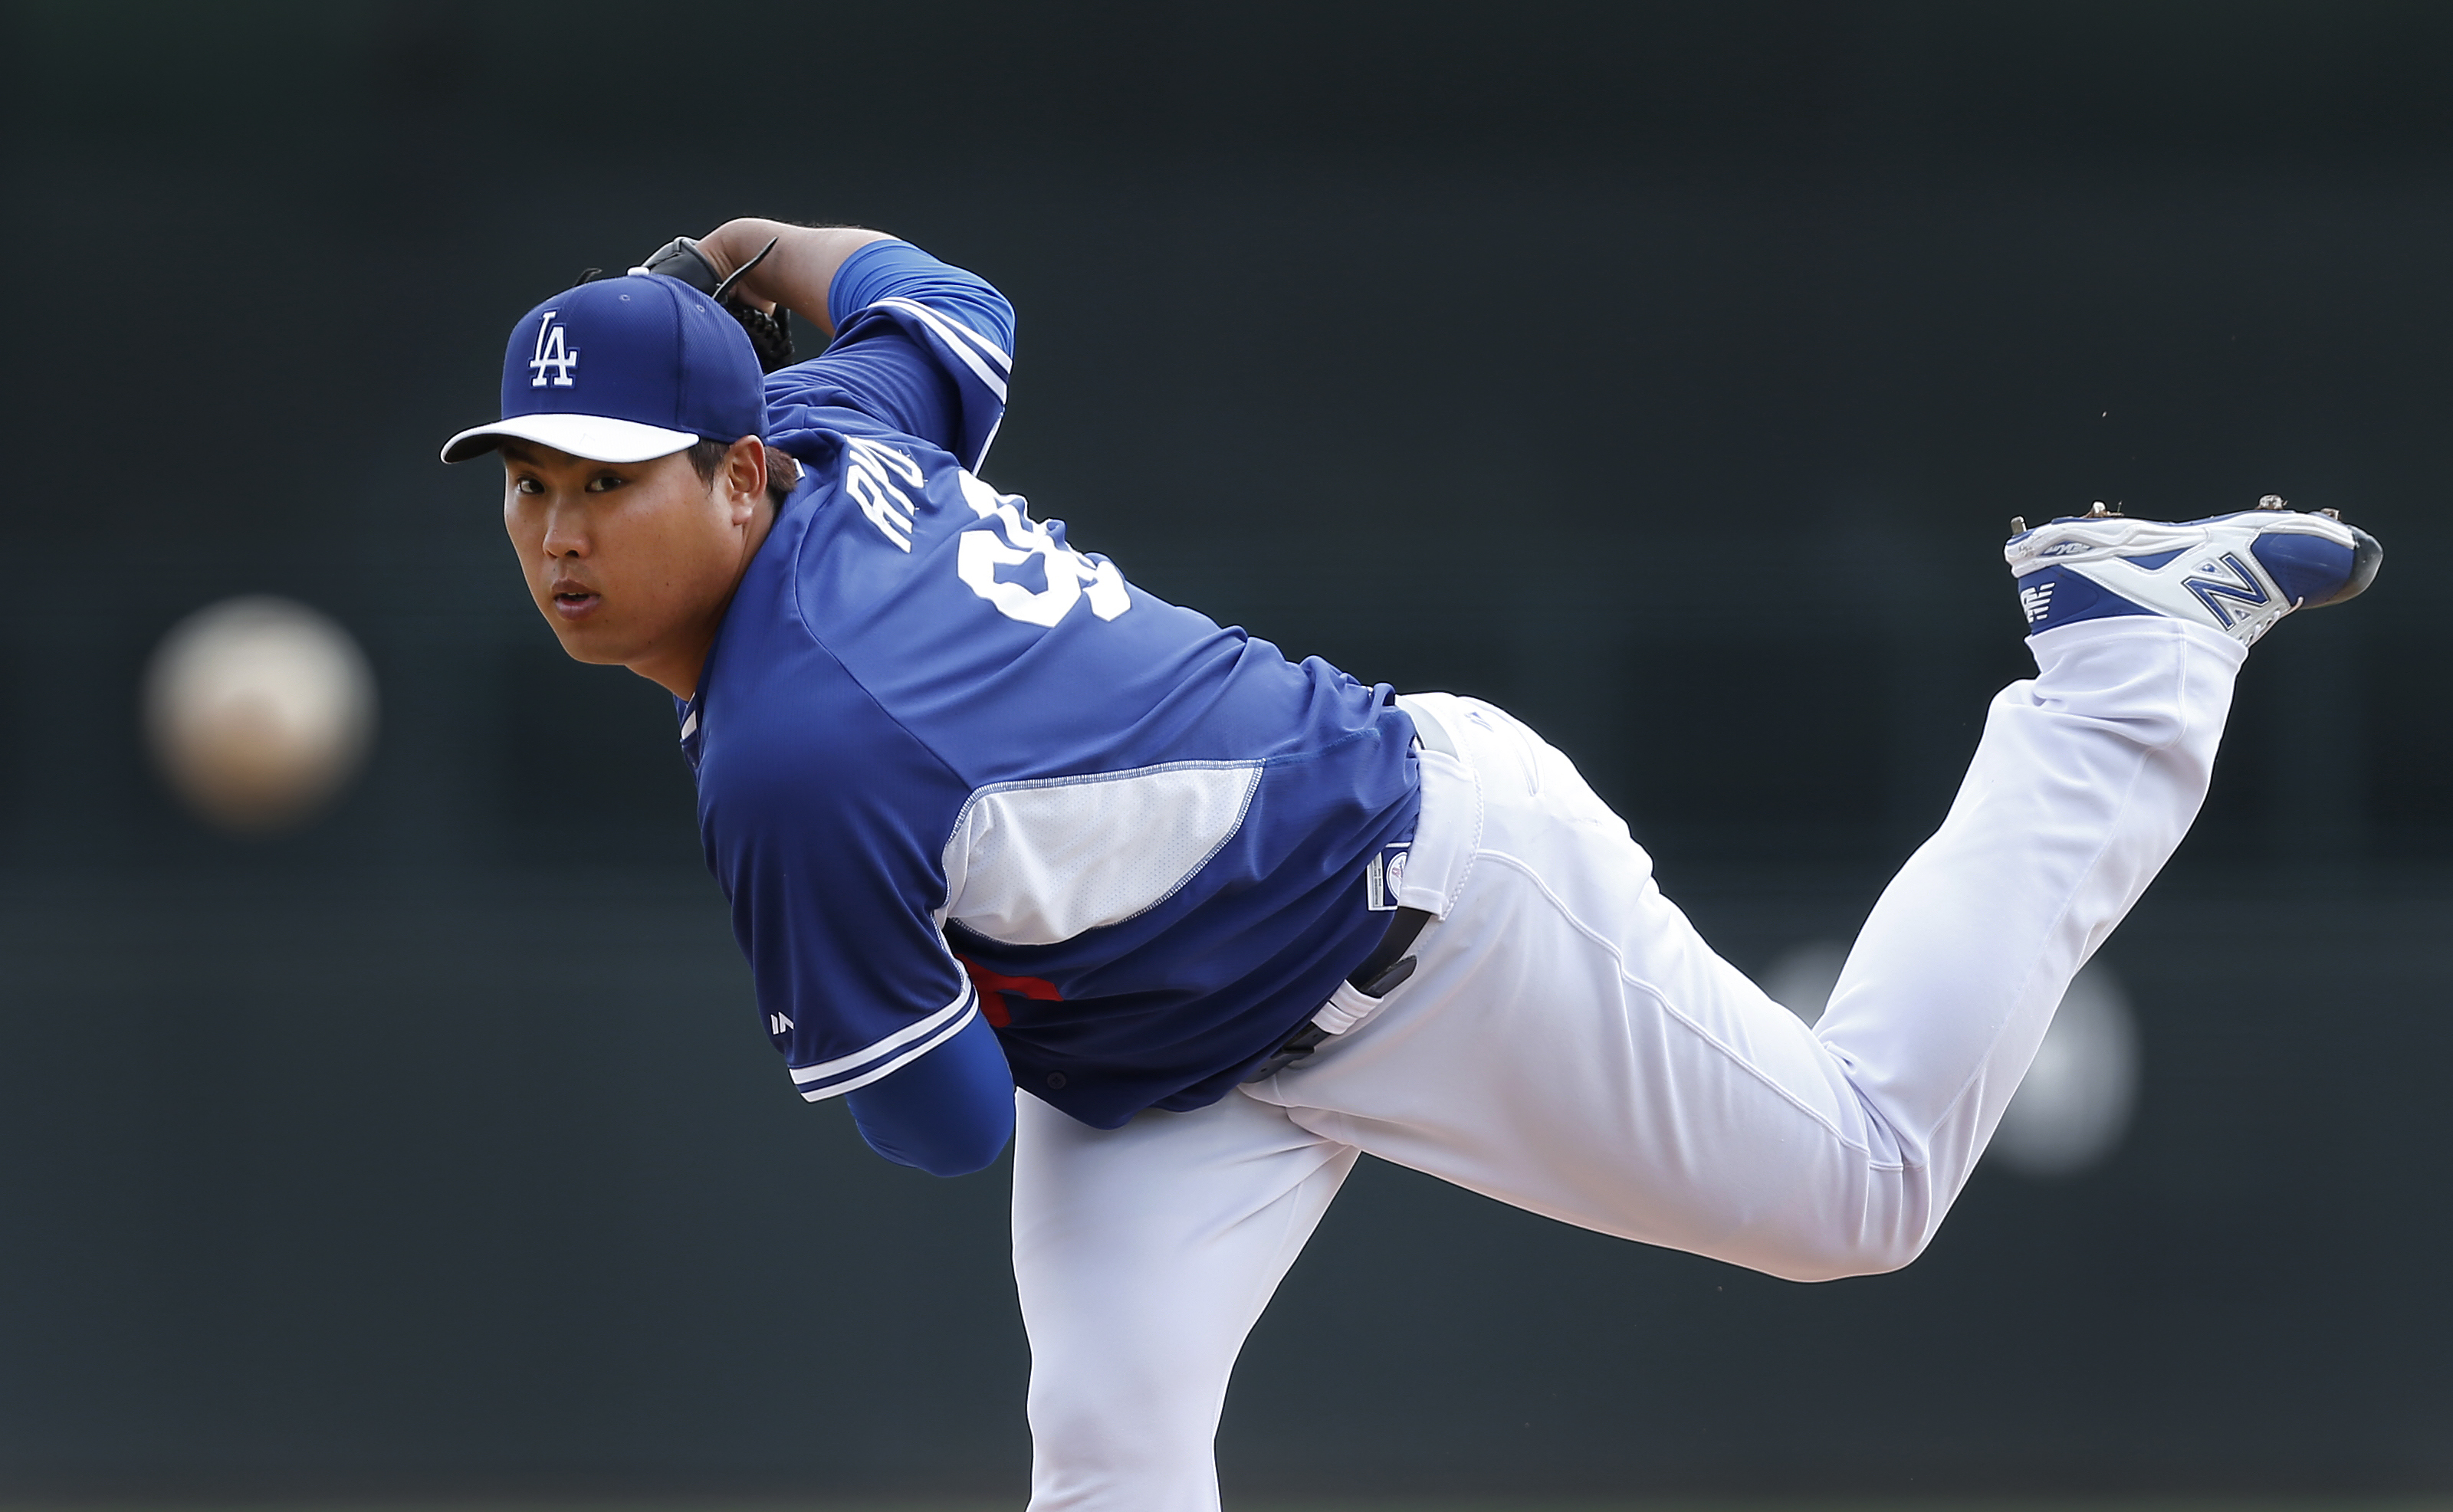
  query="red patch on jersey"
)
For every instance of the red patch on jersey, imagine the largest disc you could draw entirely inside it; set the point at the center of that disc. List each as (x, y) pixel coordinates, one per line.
(993, 988)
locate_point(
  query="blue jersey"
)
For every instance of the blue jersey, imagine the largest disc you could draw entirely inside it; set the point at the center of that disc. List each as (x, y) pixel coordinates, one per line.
(950, 765)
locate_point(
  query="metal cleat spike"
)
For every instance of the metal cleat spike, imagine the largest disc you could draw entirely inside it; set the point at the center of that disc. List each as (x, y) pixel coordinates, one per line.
(2099, 513)
(2018, 525)
(2331, 514)
(2270, 501)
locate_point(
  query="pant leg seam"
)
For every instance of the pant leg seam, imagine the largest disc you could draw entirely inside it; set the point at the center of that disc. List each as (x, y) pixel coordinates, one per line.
(1670, 1008)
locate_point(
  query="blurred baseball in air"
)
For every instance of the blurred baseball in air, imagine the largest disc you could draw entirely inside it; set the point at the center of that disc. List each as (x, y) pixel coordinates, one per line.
(1802, 980)
(2075, 1104)
(259, 710)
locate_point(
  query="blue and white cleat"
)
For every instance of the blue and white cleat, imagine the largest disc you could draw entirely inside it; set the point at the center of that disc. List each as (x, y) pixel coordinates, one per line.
(2237, 573)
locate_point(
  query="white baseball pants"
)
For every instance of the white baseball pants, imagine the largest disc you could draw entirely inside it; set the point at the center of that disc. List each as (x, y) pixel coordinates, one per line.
(1567, 1044)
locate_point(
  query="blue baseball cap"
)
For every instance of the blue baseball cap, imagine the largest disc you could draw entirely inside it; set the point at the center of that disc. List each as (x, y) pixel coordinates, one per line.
(623, 369)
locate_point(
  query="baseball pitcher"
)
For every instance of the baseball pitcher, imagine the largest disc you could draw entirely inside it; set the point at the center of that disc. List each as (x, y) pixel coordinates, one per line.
(1018, 851)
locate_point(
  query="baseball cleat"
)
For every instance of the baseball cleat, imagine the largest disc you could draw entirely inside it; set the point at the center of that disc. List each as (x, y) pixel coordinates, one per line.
(2237, 573)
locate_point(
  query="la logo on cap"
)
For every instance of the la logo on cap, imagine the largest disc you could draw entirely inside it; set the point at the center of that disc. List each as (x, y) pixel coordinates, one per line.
(668, 367)
(551, 352)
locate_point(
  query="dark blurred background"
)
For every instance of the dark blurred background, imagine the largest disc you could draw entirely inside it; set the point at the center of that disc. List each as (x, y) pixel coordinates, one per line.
(1667, 374)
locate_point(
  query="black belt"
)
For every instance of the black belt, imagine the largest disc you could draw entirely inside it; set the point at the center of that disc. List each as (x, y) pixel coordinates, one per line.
(1379, 975)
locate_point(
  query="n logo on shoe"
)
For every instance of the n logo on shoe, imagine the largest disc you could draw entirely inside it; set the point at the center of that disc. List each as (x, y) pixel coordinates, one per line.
(2037, 601)
(2220, 597)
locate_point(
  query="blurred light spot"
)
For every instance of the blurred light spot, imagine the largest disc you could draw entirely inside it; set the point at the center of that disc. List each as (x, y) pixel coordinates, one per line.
(2076, 1102)
(1802, 980)
(259, 711)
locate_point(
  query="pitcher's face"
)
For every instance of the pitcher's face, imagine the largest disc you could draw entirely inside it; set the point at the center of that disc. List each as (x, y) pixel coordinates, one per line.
(626, 561)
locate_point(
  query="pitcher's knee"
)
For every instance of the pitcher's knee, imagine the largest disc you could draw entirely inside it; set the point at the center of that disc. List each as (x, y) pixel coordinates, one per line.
(1837, 1256)
(1101, 1443)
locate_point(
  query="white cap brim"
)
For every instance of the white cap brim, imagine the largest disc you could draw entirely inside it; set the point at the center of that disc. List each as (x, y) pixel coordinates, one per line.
(599, 438)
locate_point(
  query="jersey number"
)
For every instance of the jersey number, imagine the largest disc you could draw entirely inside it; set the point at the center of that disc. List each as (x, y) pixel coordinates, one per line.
(1009, 538)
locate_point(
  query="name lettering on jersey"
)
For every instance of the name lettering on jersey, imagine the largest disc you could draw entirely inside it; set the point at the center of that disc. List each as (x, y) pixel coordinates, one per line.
(1010, 538)
(870, 472)
(553, 350)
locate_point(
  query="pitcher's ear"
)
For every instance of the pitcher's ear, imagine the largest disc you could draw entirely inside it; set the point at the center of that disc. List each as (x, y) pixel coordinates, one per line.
(745, 468)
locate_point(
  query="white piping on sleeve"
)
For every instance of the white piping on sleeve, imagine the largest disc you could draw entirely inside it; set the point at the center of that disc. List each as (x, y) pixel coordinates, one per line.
(818, 1094)
(891, 1043)
(994, 352)
(953, 333)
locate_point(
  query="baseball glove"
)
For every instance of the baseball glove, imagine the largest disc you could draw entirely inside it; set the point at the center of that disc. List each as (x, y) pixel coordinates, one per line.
(771, 335)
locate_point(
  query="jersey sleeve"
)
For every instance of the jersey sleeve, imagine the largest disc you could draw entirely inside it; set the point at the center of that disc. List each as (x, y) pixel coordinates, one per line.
(920, 345)
(818, 824)
(949, 1113)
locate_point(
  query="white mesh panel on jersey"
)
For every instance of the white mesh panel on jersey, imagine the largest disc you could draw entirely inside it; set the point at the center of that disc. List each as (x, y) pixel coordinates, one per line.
(1035, 862)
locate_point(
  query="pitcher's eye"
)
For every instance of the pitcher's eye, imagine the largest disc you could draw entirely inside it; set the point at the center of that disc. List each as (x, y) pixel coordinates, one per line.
(604, 481)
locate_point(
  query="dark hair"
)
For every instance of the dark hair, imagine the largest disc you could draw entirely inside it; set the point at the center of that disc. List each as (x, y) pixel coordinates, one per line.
(781, 472)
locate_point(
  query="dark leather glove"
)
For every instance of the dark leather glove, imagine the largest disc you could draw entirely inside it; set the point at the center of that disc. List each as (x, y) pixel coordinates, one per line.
(769, 335)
